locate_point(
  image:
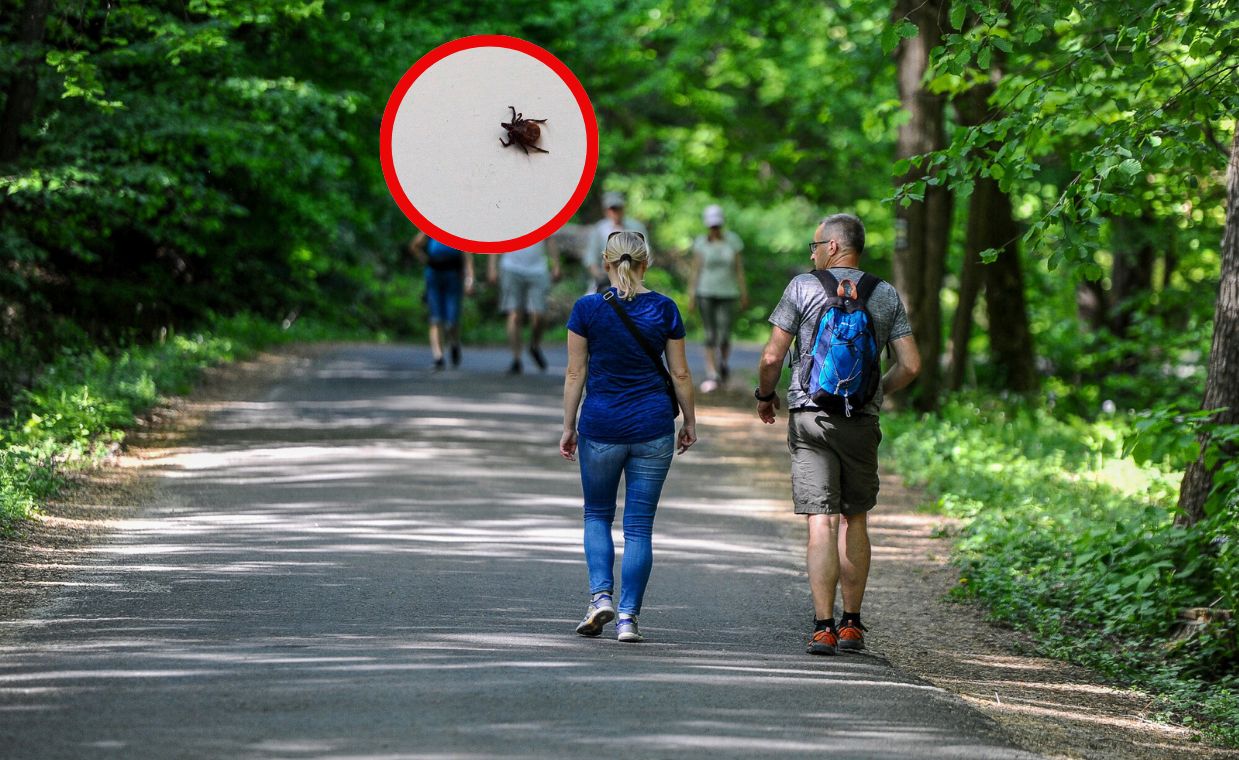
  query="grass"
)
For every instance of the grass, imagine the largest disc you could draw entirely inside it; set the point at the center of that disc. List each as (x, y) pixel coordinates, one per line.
(83, 402)
(1067, 537)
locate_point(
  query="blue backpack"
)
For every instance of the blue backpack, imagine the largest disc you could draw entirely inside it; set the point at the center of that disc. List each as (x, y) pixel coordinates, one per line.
(842, 371)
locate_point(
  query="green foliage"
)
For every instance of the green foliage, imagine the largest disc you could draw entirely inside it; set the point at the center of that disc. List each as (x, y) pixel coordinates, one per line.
(1065, 535)
(1121, 106)
(83, 402)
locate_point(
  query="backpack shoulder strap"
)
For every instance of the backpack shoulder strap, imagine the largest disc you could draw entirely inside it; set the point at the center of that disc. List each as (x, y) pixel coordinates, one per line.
(829, 283)
(868, 283)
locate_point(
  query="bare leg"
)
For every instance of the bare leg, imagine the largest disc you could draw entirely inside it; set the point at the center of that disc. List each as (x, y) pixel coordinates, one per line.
(535, 330)
(711, 363)
(822, 559)
(514, 333)
(854, 560)
(436, 340)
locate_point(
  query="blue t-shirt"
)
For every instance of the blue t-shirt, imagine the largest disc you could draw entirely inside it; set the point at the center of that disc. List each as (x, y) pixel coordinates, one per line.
(625, 399)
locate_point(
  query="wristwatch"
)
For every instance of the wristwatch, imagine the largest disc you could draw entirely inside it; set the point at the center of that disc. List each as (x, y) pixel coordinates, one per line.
(768, 397)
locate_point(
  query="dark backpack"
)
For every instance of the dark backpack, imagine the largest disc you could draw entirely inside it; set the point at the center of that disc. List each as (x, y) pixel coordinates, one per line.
(842, 371)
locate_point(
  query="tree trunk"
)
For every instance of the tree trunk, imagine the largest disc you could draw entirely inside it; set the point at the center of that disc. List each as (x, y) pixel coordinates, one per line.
(969, 288)
(971, 106)
(1091, 304)
(923, 228)
(1131, 275)
(19, 103)
(1222, 386)
(1010, 338)
(991, 225)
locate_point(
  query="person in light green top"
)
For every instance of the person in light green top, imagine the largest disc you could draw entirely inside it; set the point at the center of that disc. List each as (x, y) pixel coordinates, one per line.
(717, 286)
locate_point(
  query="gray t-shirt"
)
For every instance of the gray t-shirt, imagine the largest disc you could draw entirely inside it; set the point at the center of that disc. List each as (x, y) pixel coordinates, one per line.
(797, 311)
(529, 261)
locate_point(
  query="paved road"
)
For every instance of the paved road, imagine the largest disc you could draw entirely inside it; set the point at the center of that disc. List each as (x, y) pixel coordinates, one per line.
(372, 561)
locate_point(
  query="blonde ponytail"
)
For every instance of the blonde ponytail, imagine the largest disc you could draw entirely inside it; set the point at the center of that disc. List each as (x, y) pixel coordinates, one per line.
(626, 251)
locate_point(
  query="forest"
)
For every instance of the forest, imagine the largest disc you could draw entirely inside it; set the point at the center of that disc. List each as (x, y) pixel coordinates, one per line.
(1052, 185)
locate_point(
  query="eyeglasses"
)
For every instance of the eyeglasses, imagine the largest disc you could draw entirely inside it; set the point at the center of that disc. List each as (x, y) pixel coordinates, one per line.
(813, 246)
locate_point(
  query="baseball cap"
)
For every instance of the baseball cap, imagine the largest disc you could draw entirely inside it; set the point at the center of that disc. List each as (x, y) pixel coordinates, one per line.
(612, 199)
(713, 216)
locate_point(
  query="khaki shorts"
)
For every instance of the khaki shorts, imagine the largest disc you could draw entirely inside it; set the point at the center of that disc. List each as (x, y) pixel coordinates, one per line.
(519, 291)
(834, 462)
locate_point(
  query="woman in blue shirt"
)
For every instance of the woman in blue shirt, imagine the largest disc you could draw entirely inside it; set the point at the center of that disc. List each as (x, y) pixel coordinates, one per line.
(626, 425)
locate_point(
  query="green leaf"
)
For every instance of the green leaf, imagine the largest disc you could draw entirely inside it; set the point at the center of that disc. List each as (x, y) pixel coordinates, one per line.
(1131, 167)
(892, 34)
(958, 12)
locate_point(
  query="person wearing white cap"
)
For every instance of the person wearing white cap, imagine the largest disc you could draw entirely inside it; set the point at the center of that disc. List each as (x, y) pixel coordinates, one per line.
(717, 285)
(613, 220)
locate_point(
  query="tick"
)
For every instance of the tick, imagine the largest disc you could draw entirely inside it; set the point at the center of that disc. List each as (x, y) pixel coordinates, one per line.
(523, 132)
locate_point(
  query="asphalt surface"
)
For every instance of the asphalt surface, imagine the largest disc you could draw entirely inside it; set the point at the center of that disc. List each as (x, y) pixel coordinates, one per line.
(370, 560)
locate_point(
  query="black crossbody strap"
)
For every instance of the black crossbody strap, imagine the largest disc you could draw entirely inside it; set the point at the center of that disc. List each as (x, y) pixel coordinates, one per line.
(655, 356)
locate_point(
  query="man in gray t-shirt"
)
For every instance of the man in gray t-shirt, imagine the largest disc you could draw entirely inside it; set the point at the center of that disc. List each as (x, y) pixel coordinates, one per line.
(834, 456)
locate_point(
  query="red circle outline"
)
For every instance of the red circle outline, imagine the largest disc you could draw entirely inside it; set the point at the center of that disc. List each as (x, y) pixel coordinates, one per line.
(468, 43)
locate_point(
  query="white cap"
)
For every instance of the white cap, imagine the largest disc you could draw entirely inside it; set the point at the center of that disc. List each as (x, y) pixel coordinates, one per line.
(713, 216)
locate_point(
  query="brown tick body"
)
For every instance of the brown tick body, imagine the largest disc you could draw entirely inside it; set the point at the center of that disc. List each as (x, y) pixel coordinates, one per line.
(523, 132)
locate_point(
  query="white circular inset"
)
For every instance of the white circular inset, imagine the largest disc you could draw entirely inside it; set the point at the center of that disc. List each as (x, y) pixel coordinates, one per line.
(447, 155)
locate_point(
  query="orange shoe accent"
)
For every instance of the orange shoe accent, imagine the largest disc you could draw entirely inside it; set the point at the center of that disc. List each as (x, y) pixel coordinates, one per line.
(824, 642)
(850, 637)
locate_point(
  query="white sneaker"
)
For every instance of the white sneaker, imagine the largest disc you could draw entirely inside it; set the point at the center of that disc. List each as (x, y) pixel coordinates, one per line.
(599, 612)
(626, 630)
(709, 386)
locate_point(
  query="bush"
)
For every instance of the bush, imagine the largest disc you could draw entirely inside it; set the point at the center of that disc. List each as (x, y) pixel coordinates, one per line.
(82, 402)
(1067, 536)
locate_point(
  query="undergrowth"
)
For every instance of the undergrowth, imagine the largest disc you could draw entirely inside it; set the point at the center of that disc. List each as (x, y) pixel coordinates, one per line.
(1068, 537)
(82, 402)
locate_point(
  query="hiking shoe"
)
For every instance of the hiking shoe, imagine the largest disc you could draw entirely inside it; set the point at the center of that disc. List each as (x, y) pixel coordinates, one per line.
(709, 386)
(538, 358)
(599, 612)
(626, 630)
(724, 372)
(456, 355)
(824, 642)
(440, 365)
(850, 637)
(515, 369)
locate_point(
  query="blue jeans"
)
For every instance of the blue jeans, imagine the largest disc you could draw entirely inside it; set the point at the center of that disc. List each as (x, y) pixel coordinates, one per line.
(444, 289)
(644, 466)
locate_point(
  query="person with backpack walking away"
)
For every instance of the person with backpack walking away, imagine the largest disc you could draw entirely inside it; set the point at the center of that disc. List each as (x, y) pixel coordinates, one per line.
(616, 341)
(840, 318)
(449, 276)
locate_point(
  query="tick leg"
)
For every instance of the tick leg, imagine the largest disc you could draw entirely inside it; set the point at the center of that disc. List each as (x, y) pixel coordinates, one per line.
(513, 113)
(523, 148)
(538, 121)
(535, 147)
(504, 144)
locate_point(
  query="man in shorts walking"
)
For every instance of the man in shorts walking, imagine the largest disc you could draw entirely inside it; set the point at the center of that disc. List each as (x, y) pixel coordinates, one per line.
(524, 280)
(834, 456)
